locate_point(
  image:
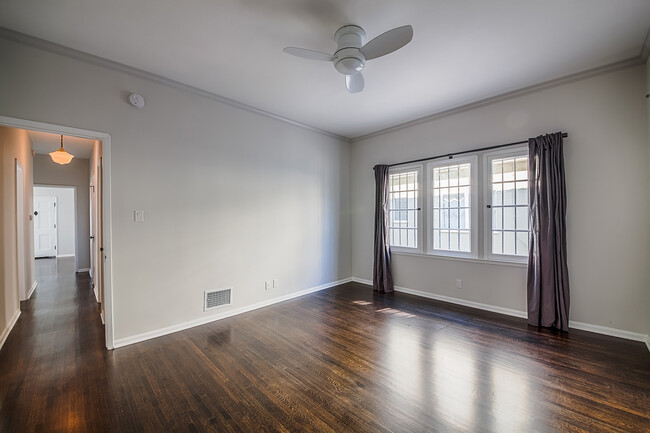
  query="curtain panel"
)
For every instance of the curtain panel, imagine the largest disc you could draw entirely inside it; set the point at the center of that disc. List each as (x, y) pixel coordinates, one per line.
(548, 275)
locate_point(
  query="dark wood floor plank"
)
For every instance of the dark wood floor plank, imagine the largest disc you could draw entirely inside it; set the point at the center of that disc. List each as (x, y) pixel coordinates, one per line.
(340, 360)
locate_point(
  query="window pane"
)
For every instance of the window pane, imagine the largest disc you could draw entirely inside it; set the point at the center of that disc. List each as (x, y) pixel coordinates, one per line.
(522, 218)
(463, 218)
(453, 218)
(497, 194)
(463, 174)
(508, 170)
(522, 168)
(436, 218)
(496, 242)
(509, 243)
(453, 197)
(465, 240)
(436, 198)
(411, 202)
(444, 239)
(444, 197)
(411, 181)
(508, 218)
(522, 243)
(411, 238)
(453, 176)
(522, 193)
(444, 177)
(436, 239)
(497, 167)
(464, 200)
(453, 240)
(444, 218)
(497, 215)
(508, 193)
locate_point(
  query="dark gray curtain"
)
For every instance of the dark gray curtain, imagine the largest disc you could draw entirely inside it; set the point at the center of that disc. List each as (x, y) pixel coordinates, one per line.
(548, 276)
(382, 276)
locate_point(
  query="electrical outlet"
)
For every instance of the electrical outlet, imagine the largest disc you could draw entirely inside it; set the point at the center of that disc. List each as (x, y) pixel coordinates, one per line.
(459, 284)
(268, 285)
(276, 283)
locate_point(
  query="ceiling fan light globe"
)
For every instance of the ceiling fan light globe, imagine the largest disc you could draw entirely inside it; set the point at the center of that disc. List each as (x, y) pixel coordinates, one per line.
(349, 65)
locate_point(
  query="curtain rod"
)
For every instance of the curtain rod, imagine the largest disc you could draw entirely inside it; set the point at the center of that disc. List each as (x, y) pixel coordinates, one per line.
(451, 155)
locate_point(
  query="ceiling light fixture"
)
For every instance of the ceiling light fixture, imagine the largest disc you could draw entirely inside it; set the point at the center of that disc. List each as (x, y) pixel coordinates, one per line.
(61, 156)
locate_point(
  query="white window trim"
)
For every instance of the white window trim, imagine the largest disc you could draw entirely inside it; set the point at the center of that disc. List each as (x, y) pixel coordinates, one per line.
(487, 201)
(474, 187)
(419, 232)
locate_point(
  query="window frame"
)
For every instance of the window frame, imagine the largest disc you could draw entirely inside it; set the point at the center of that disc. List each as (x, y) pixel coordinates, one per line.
(474, 206)
(419, 220)
(488, 157)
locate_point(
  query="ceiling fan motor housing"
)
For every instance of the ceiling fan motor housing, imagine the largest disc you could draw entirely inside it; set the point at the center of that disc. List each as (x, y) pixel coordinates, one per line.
(348, 59)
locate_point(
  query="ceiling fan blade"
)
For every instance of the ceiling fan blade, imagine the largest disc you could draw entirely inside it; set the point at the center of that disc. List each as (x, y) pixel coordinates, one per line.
(354, 83)
(308, 54)
(387, 42)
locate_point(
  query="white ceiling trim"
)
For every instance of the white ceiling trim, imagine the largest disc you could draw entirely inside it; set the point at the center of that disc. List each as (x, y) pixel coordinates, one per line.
(63, 50)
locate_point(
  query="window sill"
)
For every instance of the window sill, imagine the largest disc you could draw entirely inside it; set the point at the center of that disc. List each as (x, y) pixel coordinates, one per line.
(461, 259)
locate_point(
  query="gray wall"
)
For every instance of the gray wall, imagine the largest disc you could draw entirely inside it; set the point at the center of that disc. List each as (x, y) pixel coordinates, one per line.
(607, 173)
(47, 172)
(231, 198)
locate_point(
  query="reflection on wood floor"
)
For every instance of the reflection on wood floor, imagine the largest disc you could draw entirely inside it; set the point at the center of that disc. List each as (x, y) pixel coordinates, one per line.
(342, 359)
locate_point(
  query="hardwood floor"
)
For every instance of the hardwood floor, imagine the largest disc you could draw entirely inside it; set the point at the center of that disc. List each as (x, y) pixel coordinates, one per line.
(339, 360)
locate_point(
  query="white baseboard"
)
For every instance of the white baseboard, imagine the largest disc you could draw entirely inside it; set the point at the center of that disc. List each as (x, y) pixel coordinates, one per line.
(101, 316)
(83, 270)
(604, 330)
(31, 291)
(613, 332)
(10, 326)
(60, 256)
(121, 342)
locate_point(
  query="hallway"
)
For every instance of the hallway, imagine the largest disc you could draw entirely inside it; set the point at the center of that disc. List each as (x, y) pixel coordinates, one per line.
(56, 344)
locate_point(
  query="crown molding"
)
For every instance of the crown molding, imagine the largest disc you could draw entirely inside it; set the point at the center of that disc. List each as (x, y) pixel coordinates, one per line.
(92, 59)
(634, 61)
(63, 50)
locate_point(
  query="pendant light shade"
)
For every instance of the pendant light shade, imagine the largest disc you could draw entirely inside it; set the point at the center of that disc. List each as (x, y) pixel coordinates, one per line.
(61, 156)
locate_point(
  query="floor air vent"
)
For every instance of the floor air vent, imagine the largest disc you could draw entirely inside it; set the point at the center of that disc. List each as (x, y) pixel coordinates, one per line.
(217, 298)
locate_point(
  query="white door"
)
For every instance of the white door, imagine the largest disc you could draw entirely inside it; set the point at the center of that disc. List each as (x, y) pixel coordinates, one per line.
(44, 226)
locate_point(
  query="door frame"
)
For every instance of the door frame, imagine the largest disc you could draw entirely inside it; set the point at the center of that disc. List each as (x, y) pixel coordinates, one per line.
(21, 251)
(107, 226)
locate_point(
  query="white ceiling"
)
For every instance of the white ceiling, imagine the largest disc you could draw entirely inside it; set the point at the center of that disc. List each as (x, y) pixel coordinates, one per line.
(44, 143)
(462, 51)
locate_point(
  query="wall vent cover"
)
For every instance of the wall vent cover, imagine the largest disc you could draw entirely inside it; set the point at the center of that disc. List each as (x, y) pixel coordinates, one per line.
(217, 298)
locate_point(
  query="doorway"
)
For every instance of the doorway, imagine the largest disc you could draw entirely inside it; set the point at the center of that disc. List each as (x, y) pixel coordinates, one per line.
(104, 210)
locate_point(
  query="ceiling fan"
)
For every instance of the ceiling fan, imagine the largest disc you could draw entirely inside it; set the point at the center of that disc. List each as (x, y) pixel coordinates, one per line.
(351, 55)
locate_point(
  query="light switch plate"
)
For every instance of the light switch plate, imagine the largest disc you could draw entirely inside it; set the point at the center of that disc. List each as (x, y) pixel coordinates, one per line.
(139, 216)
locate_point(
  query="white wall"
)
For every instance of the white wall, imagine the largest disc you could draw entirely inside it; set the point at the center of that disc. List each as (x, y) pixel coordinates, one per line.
(606, 158)
(65, 228)
(231, 198)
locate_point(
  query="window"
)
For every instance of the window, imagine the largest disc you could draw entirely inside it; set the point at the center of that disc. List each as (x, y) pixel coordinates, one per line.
(452, 198)
(448, 222)
(507, 213)
(404, 207)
